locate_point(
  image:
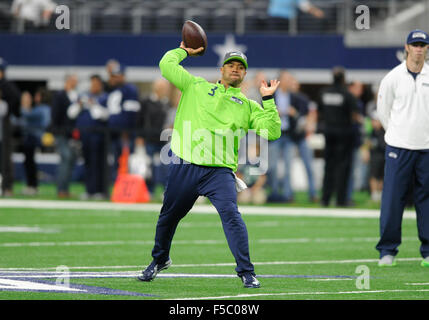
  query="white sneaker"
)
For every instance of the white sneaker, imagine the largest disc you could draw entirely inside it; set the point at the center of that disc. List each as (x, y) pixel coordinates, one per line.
(376, 196)
(84, 196)
(387, 261)
(30, 191)
(98, 196)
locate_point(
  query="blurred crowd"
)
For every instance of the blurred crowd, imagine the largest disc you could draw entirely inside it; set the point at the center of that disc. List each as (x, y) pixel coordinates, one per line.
(110, 118)
(353, 152)
(160, 16)
(97, 124)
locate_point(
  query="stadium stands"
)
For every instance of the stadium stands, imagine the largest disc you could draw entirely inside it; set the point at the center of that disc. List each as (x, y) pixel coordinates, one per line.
(238, 16)
(249, 16)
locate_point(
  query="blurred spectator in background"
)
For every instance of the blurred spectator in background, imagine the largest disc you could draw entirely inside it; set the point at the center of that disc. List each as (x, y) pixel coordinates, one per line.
(9, 101)
(376, 149)
(252, 86)
(65, 137)
(91, 115)
(282, 12)
(171, 113)
(251, 174)
(111, 65)
(3, 113)
(123, 105)
(376, 160)
(34, 120)
(338, 111)
(150, 122)
(356, 88)
(311, 118)
(32, 15)
(293, 109)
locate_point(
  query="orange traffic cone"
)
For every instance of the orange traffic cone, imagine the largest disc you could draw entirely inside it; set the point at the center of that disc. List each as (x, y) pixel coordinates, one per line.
(123, 161)
(129, 188)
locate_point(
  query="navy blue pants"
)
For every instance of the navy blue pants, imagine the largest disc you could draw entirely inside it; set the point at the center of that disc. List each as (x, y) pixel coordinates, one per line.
(185, 183)
(93, 150)
(402, 168)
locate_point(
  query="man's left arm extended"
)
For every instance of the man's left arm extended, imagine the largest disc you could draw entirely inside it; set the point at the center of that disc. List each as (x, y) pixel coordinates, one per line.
(265, 121)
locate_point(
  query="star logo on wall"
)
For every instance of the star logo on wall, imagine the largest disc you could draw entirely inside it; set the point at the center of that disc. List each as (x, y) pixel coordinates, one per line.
(228, 46)
(400, 55)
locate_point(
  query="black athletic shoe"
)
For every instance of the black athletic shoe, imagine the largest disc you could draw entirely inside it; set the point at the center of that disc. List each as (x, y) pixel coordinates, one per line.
(152, 270)
(249, 280)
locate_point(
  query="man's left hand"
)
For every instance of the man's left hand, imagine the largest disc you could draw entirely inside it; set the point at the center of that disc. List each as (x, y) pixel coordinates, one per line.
(266, 90)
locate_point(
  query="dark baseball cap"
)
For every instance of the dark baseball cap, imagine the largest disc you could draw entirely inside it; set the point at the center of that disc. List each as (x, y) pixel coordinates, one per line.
(418, 36)
(236, 55)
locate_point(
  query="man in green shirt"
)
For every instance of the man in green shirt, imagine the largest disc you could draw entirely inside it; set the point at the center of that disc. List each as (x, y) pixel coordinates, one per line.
(210, 121)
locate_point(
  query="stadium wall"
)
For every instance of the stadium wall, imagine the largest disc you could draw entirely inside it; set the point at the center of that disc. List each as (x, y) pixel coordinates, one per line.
(50, 56)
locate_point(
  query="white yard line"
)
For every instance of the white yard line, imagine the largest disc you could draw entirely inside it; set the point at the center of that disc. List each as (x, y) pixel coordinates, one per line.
(27, 229)
(199, 209)
(130, 225)
(124, 274)
(299, 294)
(331, 279)
(195, 242)
(226, 264)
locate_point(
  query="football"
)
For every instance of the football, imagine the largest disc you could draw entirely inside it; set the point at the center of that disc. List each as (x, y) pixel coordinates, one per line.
(194, 36)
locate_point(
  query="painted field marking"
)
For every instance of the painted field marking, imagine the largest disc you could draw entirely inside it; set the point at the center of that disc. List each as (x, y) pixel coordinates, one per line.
(27, 229)
(25, 286)
(10, 284)
(196, 242)
(199, 209)
(133, 274)
(417, 284)
(300, 293)
(331, 279)
(151, 225)
(225, 264)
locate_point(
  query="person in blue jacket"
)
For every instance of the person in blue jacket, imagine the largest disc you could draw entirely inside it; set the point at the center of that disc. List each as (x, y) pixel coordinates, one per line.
(91, 116)
(35, 120)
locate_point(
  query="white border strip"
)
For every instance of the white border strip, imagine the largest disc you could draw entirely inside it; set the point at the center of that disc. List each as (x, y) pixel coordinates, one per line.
(225, 264)
(192, 242)
(199, 209)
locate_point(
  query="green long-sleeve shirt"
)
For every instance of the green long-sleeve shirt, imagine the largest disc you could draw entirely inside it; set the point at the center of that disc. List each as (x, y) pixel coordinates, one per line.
(211, 120)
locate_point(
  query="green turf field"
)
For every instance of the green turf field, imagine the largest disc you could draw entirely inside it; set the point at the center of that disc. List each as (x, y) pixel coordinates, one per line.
(295, 257)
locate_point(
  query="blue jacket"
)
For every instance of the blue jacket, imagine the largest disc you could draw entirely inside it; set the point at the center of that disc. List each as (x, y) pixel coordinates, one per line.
(123, 106)
(36, 121)
(95, 115)
(301, 104)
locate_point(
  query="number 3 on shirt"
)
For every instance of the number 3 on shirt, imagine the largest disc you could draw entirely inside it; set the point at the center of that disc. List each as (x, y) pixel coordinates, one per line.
(213, 92)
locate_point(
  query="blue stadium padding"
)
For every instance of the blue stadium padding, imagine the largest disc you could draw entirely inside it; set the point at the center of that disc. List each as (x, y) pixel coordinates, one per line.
(263, 51)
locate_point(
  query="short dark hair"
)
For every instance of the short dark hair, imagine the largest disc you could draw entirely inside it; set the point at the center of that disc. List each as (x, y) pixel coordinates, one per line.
(97, 77)
(45, 95)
